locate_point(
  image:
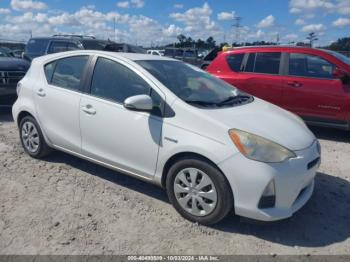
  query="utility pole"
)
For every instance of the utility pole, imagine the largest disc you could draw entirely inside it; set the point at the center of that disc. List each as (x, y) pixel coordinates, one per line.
(114, 34)
(237, 25)
(277, 38)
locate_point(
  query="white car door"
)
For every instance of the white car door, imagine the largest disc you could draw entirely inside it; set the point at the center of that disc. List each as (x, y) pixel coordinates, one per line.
(113, 134)
(57, 101)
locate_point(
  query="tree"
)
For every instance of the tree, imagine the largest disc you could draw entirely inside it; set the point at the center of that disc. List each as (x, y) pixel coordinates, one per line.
(342, 44)
(210, 43)
(182, 39)
(200, 44)
(312, 37)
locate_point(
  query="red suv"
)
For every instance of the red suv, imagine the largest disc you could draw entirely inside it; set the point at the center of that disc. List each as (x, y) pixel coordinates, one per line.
(312, 83)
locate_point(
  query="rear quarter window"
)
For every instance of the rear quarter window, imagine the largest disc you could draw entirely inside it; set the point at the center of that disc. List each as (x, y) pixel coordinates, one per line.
(66, 72)
(49, 69)
(235, 61)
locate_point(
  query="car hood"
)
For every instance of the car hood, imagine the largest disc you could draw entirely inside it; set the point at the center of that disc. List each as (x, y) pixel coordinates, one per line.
(266, 120)
(13, 64)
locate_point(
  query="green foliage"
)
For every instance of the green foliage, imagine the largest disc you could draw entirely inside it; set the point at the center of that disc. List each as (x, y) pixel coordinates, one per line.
(342, 44)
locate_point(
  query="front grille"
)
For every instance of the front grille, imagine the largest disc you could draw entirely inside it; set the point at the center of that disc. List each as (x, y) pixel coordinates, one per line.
(10, 78)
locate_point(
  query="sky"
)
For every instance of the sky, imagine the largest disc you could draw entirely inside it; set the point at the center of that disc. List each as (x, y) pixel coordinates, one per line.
(157, 22)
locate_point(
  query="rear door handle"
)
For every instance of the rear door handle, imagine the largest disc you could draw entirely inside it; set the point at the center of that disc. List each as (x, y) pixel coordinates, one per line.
(41, 92)
(88, 109)
(294, 84)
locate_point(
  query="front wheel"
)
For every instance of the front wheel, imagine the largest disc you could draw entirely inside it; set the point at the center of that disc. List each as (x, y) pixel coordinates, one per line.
(199, 191)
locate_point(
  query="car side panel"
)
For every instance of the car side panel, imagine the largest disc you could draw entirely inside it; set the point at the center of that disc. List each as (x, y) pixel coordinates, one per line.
(176, 140)
(264, 86)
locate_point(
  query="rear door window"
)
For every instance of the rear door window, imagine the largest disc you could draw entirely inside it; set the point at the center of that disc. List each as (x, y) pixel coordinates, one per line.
(235, 61)
(68, 72)
(179, 52)
(72, 46)
(264, 63)
(57, 46)
(267, 63)
(305, 65)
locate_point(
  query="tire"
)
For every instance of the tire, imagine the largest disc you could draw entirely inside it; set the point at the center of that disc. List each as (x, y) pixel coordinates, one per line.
(32, 138)
(211, 209)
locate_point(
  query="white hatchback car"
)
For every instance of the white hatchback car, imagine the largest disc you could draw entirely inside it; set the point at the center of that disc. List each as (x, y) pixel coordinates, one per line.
(211, 146)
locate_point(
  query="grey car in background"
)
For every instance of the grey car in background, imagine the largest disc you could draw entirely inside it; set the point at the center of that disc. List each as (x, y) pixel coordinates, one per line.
(12, 70)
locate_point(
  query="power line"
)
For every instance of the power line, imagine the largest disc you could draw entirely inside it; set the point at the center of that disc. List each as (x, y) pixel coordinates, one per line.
(237, 25)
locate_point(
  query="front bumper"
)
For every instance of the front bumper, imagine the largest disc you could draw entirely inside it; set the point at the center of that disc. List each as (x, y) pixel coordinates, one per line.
(294, 183)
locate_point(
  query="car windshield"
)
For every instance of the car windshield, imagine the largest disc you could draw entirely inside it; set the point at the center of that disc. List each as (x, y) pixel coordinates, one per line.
(340, 56)
(191, 84)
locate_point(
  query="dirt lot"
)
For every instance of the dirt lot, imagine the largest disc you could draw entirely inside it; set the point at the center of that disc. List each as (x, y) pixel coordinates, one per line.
(65, 205)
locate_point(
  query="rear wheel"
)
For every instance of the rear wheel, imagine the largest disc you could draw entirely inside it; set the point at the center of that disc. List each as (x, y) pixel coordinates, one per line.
(199, 191)
(32, 138)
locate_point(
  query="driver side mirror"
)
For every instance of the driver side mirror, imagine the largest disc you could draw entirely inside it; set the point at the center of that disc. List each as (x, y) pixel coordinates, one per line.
(340, 74)
(139, 103)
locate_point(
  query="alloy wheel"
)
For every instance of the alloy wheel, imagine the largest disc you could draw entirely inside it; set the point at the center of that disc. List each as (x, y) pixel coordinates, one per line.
(30, 137)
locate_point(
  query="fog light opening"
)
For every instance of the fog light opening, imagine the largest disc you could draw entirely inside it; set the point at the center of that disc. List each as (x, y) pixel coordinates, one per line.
(268, 197)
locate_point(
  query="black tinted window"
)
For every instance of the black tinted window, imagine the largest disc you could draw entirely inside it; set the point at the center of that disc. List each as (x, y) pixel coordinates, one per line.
(56, 47)
(310, 66)
(49, 69)
(179, 52)
(37, 46)
(169, 52)
(267, 63)
(72, 46)
(190, 53)
(235, 62)
(116, 82)
(94, 44)
(68, 72)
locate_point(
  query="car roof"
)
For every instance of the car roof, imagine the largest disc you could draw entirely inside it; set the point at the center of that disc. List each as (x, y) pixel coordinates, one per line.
(273, 47)
(129, 56)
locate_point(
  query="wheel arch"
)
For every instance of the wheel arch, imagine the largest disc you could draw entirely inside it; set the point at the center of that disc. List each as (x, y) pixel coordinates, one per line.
(22, 115)
(182, 155)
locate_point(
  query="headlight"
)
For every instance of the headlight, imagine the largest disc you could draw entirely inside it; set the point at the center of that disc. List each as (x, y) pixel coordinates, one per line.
(258, 148)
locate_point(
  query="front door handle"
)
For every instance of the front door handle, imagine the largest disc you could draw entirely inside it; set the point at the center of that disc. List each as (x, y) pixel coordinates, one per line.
(294, 84)
(41, 92)
(88, 109)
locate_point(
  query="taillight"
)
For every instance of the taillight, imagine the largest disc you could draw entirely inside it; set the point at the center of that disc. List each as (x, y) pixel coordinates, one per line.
(18, 88)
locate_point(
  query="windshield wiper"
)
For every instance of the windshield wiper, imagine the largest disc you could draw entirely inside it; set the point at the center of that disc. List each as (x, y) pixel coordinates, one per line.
(200, 103)
(233, 99)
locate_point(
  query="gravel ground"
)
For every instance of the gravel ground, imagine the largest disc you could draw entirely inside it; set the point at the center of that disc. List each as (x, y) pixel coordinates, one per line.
(64, 205)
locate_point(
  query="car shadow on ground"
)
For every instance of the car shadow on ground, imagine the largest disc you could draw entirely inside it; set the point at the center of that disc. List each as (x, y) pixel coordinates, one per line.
(323, 221)
(110, 175)
(331, 134)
